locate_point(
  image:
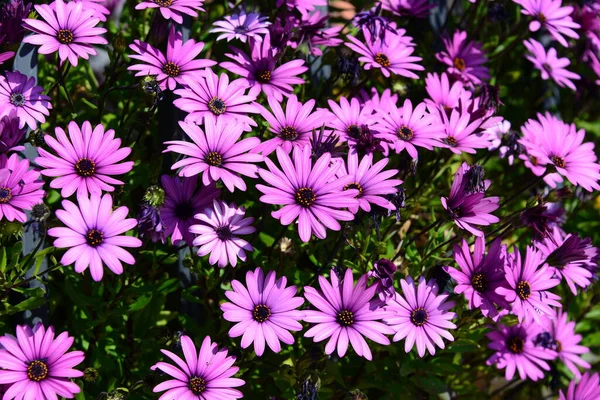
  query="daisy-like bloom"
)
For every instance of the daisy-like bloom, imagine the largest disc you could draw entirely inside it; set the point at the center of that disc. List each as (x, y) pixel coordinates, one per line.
(182, 202)
(480, 275)
(216, 153)
(20, 189)
(203, 375)
(549, 65)
(37, 365)
(259, 70)
(460, 133)
(242, 26)
(408, 8)
(10, 133)
(411, 127)
(209, 94)
(170, 70)
(292, 128)
(441, 93)
(19, 94)
(392, 55)
(218, 233)
(470, 208)
(420, 316)
(264, 311)
(310, 193)
(527, 287)
(551, 15)
(85, 160)
(345, 313)
(515, 350)
(93, 235)
(551, 143)
(464, 58)
(174, 9)
(587, 388)
(371, 181)
(67, 28)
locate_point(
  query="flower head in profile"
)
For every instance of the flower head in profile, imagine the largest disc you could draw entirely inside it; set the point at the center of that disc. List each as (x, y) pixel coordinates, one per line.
(10, 133)
(12, 14)
(551, 15)
(37, 365)
(311, 29)
(586, 388)
(461, 132)
(264, 310)
(442, 93)
(383, 273)
(465, 59)
(94, 235)
(242, 26)
(67, 28)
(203, 374)
(549, 65)
(173, 9)
(344, 313)
(408, 8)
(20, 189)
(19, 93)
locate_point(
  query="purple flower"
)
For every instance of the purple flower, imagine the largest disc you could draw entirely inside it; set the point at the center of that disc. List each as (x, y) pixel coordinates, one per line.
(408, 8)
(550, 66)
(37, 365)
(216, 152)
(20, 94)
(94, 235)
(464, 59)
(383, 272)
(312, 30)
(20, 189)
(67, 28)
(420, 316)
(311, 194)
(551, 15)
(11, 18)
(461, 133)
(150, 223)
(264, 311)
(174, 9)
(100, 11)
(345, 313)
(372, 21)
(10, 133)
(384, 102)
(441, 93)
(242, 26)
(304, 6)
(588, 388)
(205, 374)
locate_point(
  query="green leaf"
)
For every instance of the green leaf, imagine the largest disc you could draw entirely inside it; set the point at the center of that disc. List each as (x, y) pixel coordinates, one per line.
(29, 304)
(169, 286)
(140, 303)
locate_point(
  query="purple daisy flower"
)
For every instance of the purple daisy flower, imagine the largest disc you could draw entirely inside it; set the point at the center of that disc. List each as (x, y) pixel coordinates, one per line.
(242, 26)
(464, 59)
(550, 66)
(182, 202)
(587, 388)
(20, 189)
(67, 28)
(466, 208)
(218, 231)
(206, 374)
(10, 133)
(84, 160)
(37, 365)
(19, 94)
(311, 194)
(265, 311)
(209, 94)
(461, 133)
(551, 15)
(93, 235)
(421, 316)
(174, 9)
(216, 152)
(408, 8)
(180, 60)
(346, 312)
(441, 93)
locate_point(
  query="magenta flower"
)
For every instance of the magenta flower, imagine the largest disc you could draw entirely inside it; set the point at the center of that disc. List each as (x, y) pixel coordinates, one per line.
(67, 28)
(550, 66)
(19, 94)
(588, 388)
(461, 133)
(242, 26)
(304, 6)
(408, 8)
(464, 59)
(10, 133)
(312, 30)
(551, 15)
(20, 189)
(37, 366)
(174, 9)
(218, 231)
(85, 160)
(441, 93)
(100, 11)
(216, 152)
(311, 194)
(384, 102)
(93, 235)
(264, 311)
(206, 374)
(216, 96)
(182, 202)
(180, 61)
(345, 313)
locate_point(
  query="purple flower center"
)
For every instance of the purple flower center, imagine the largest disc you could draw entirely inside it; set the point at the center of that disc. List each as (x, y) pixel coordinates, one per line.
(261, 313)
(353, 131)
(419, 316)
(289, 133)
(515, 344)
(345, 318)
(85, 167)
(305, 197)
(524, 290)
(382, 60)
(37, 370)
(5, 195)
(171, 69)
(479, 282)
(184, 210)
(94, 238)
(213, 159)
(547, 67)
(405, 133)
(545, 340)
(263, 76)
(240, 29)
(459, 63)
(355, 185)
(224, 233)
(450, 141)
(17, 99)
(217, 106)
(65, 36)
(559, 161)
(197, 385)
(164, 3)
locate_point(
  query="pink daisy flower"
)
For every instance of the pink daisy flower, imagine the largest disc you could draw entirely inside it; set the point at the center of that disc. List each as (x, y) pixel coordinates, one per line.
(587, 388)
(19, 94)
(205, 374)
(85, 160)
(180, 61)
(37, 365)
(216, 153)
(20, 189)
(310, 193)
(441, 93)
(550, 66)
(464, 59)
(345, 313)
(461, 133)
(218, 231)
(174, 9)
(93, 235)
(242, 26)
(264, 311)
(551, 15)
(67, 28)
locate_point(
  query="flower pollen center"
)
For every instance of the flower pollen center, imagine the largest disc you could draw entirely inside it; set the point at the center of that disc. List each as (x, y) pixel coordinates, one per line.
(17, 99)
(305, 197)
(289, 133)
(382, 60)
(354, 185)
(65, 36)
(37, 370)
(85, 167)
(164, 3)
(261, 313)
(459, 63)
(450, 141)
(479, 282)
(263, 76)
(559, 161)
(171, 69)
(419, 316)
(542, 18)
(5, 195)
(184, 210)
(405, 133)
(524, 290)
(197, 385)
(345, 318)
(94, 237)
(515, 344)
(213, 159)
(217, 106)
(353, 130)
(223, 233)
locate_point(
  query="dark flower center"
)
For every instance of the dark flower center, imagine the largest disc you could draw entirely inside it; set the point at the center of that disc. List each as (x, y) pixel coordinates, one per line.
(419, 316)
(171, 69)
(5, 195)
(354, 185)
(17, 99)
(263, 76)
(37, 370)
(542, 18)
(223, 233)
(523, 290)
(382, 60)
(94, 238)
(515, 344)
(353, 131)
(65, 36)
(455, 212)
(345, 318)
(459, 63)
(288, 133)
(217, 106)
(305, 197)
(85, 167)
(39, 212)
(197, 385)
(184, 211)
(559, 161)
(479, 282)
(261, 313)
(165, 3)
(558, 345)
(240, 29)
(213, 159)
(533, 160)
(450, 141)
(547, 67)
(405, 133)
